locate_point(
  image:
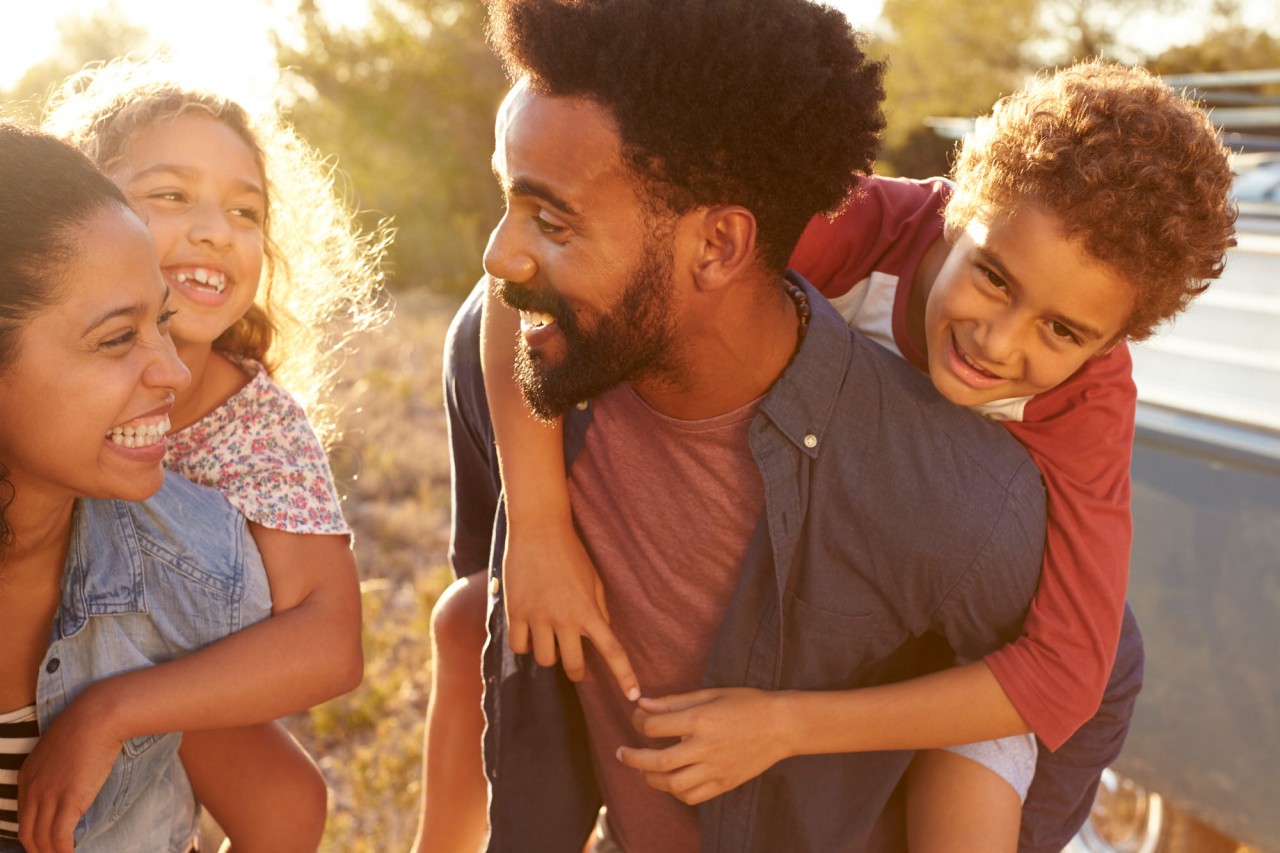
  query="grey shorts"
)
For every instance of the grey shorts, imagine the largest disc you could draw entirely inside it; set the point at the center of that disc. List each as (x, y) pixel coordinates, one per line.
(1013, 759)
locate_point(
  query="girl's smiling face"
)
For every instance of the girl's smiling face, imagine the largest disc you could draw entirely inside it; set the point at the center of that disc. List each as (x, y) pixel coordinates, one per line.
(1017, 308)
(84, 403)
(198, 187)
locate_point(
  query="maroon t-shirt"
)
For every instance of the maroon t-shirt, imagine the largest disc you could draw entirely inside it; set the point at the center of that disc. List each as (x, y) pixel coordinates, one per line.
(666, 508)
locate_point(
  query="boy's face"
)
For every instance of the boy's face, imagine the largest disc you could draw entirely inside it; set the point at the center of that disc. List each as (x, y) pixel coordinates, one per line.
(1017, 308)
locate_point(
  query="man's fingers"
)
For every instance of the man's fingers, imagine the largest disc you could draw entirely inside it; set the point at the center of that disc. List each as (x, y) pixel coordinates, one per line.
(615, 657)
(544, 645)
(518, 637)
(674, 724)
(571, 654)
(676, 701)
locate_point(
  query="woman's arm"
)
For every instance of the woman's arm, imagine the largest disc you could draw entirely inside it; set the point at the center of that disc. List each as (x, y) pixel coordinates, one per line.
(553, 594)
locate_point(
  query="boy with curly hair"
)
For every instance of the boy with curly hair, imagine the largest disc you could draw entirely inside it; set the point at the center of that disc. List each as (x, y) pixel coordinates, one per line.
(1089, 207)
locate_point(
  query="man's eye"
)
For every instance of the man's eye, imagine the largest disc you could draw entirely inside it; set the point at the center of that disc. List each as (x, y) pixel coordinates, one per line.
(548, 227)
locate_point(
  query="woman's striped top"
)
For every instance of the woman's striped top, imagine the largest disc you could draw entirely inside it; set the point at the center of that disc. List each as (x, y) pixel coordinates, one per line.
(19, 731)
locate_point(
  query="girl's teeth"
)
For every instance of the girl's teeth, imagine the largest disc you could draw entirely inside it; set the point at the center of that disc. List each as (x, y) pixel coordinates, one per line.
(139, 436)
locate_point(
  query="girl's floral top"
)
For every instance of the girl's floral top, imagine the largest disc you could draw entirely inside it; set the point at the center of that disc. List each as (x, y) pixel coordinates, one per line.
(260, 451)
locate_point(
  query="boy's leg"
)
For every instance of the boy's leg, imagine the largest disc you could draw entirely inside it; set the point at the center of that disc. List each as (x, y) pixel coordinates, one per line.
(260, 785)
(956, 804)
(455, 798)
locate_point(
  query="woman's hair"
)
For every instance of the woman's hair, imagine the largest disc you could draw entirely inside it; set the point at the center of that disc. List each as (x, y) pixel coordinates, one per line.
(49, 192)
(1132, 170)
(322, 274)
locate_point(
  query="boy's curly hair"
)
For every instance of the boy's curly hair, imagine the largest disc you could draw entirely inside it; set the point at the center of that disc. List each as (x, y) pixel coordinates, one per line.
(322, 274)
(768, 104)
(1131, 169)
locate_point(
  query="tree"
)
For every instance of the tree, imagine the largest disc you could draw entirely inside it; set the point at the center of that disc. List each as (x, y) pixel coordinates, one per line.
(408, 102)
(99, 37)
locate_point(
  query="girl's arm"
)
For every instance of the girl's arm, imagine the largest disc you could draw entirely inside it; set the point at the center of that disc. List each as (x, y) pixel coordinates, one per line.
(731, 735)
(553, 594)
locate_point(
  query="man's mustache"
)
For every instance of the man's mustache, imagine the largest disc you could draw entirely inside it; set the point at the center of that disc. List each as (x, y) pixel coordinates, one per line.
(524, 298)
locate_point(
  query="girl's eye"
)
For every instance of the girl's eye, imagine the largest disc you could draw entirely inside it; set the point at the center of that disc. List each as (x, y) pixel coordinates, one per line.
(166, 195)
(250, 213)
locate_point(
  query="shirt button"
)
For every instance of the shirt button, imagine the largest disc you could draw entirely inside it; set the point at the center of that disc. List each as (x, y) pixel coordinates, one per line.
(810, 441)
(582, 406)
(494, 586)
(52, 666)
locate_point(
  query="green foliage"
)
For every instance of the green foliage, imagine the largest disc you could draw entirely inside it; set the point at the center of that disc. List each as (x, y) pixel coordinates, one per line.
(409, 104)
(99, 37)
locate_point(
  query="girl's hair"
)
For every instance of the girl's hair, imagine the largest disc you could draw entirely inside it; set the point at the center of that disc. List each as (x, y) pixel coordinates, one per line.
(322, 274)
(1132, 170)
(49, 192)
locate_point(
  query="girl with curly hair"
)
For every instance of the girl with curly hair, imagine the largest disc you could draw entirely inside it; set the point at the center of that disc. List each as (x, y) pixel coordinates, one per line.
(1089, 207)
(269, 276)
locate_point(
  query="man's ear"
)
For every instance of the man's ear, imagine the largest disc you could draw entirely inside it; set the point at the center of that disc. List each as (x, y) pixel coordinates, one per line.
(727, 243)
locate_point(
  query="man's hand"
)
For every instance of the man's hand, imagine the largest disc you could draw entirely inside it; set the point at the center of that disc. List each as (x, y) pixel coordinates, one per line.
(727, 736)
(554, 598)
(61, 777)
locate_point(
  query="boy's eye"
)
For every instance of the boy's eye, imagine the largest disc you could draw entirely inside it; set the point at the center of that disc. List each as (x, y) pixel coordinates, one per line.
(993, 278)
(250, 213)
(1063, 333)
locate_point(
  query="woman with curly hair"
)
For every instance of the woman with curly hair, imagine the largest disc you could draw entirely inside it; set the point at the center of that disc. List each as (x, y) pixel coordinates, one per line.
(270, 276)
(1089, 207)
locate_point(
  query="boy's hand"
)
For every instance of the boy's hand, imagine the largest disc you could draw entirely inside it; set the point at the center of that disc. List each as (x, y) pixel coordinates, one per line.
(554, 598)
(61, 777)
(727, 736)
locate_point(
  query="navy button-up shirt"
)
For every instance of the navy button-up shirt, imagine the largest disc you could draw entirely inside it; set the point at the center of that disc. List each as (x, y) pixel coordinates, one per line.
(898, 529)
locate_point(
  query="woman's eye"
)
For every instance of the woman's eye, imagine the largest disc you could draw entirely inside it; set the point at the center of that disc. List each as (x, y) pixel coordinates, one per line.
(118, 341)
(162, 322)
(166, 195)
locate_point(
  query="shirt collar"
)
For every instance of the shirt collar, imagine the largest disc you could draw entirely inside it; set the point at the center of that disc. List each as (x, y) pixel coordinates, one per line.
(800, 403)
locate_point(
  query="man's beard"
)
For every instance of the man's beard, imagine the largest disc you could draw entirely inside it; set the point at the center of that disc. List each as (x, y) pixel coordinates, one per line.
(632, 341)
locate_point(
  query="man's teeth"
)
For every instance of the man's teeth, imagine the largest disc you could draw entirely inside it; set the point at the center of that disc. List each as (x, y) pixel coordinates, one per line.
(141, 435)
(211, 279)
(535, 319)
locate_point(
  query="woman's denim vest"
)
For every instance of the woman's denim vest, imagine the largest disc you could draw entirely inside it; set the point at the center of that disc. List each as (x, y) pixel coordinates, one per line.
(145, 583)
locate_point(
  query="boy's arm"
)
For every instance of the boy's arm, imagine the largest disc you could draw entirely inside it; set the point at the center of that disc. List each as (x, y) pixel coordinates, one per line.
(553, 594)
(730, 735)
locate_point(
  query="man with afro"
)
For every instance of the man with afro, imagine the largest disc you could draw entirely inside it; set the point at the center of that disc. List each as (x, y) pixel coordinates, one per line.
(780, 511)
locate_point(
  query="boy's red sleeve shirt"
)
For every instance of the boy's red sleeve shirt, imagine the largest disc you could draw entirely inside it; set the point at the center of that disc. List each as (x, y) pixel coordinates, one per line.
(1080, 434)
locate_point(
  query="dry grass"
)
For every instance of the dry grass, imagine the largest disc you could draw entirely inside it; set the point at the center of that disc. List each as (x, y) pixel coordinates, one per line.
(392, 466)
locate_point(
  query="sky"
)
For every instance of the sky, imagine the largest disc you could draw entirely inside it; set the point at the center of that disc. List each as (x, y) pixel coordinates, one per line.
(230, 38)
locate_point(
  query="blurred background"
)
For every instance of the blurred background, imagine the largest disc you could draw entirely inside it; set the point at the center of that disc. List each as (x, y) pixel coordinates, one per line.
(402, 93)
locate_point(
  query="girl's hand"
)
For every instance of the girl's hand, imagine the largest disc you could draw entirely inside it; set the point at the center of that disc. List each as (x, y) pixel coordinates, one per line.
(62, 775)
(727, 736)
(554, 598)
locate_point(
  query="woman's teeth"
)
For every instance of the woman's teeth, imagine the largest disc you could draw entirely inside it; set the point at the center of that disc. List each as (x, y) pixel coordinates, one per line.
(209, 279)
(140, 435)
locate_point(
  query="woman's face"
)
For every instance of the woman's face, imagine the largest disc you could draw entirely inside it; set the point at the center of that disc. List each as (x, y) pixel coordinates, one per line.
(196, 184)
(84, 405)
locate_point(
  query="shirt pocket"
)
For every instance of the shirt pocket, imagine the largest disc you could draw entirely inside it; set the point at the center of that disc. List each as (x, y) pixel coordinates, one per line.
(826, 649)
